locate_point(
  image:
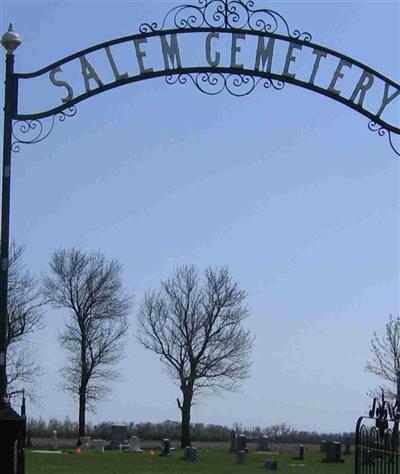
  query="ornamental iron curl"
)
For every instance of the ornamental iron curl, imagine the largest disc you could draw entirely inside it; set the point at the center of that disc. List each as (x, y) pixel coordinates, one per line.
(236, 14)
(30, 131)
(213, 83)
(382, 131)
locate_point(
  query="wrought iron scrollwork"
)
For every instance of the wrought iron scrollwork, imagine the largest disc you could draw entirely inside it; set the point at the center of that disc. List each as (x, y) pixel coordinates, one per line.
(382, 131)
(30, 131)
(213, 83)
(236, 14)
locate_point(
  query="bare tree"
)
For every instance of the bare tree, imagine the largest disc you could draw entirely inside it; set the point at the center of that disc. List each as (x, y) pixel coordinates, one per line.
(25, 315)
(197, 331)
(90, 288)
(386, 357)
(23, 370)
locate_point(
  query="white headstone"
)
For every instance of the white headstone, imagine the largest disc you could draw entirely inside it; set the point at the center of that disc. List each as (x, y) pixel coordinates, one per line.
(134, 445)
(98, 445)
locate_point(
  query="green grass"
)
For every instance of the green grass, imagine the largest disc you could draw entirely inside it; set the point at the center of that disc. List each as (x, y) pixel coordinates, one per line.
(214, 461)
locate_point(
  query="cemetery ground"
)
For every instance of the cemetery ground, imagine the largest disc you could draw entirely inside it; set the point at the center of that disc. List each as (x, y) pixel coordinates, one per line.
(210, 461)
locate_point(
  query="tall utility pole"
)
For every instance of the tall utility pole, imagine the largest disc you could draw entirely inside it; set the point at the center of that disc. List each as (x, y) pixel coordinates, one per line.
(11, 424)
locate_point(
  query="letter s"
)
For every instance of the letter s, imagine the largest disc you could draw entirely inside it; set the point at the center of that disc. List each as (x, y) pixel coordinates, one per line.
(58, 83)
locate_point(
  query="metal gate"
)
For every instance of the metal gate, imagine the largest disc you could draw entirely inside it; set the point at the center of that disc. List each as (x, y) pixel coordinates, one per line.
(377, 440)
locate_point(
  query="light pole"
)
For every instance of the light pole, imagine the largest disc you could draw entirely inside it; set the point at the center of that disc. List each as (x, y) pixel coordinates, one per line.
(11, 423)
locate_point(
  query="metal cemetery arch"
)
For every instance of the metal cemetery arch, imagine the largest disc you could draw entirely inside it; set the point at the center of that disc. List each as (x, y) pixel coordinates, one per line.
(237, 20)
(213, 18)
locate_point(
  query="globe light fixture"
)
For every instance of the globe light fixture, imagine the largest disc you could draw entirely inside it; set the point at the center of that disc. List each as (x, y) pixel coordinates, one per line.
(11, 40)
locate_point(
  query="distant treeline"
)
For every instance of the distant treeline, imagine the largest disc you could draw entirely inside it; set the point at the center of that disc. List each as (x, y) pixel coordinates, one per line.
(281, 433)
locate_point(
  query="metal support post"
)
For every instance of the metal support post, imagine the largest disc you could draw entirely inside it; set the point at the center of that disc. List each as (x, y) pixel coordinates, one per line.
(11, 423)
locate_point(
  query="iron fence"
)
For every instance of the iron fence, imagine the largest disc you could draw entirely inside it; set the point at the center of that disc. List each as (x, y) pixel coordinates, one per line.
(377, 440)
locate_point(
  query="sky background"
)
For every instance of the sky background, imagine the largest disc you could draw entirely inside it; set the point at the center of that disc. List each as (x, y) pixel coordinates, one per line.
(288, 188)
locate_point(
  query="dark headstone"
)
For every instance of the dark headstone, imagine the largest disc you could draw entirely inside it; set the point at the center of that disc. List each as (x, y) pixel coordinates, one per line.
(271, 464)
(191, 454)
(322, 447)
(263, 443)
(333, 452)
(347, 447)
(301, 452)
(242, 442)
(240, 457)
(119, 435)
(166, 447)
(232, 447)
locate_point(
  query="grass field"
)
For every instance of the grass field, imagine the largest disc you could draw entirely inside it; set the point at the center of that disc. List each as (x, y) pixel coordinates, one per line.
(213, 461)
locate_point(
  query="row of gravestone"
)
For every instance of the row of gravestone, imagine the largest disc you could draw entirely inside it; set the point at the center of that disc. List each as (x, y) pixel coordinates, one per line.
(190, 454)
(332, 450)
(238, 444)
(118, 441)
(132, 445)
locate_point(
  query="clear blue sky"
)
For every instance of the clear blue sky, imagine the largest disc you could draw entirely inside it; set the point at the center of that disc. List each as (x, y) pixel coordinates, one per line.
(288, 188)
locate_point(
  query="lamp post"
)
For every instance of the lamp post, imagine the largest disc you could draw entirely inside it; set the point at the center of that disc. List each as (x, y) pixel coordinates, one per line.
(11, 423)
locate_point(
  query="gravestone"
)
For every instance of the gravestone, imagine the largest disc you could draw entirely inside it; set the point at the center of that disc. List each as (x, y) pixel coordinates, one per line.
(241, 443)
(98, 445)
(301, 452)
(240, 457)
(134, 445)
(166, 447)
(232, 447)
(54, 439)
(322, 447)
(118, 436)
(347, 447)
(271, 464)
(190, 454)
(86, 440)
(263, 443)
(333, 452)
(237, 448)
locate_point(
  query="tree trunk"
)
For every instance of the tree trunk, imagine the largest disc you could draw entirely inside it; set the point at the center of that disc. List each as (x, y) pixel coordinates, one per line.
(398, 394)
(185, 424)
(83, 384)
(82, 413)
(185, 427)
